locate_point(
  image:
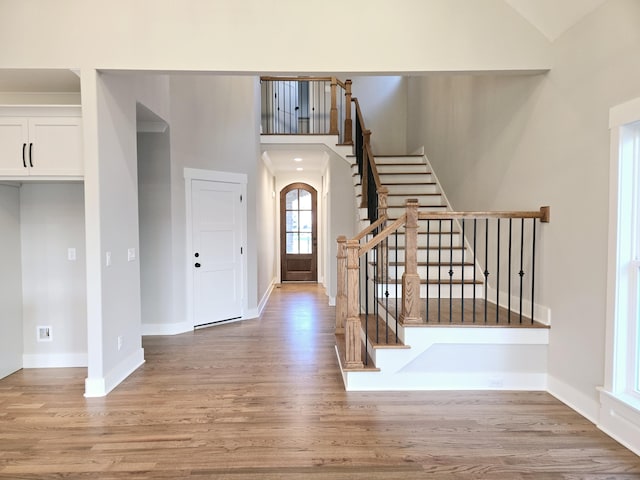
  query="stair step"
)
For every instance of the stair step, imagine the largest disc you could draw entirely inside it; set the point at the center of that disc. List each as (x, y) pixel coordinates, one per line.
(369, 365)
(401, 168)
(388, 179)
(412, 188)
(399, 159)
(379, 335)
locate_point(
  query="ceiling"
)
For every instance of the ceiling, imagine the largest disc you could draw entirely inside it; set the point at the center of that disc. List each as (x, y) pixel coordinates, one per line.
(280, 158)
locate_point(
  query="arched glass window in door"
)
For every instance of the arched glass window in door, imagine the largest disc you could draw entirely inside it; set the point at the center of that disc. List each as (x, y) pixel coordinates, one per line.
(298, 233)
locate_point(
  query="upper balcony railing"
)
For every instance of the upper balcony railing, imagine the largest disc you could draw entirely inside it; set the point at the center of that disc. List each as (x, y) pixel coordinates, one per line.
(306, 106)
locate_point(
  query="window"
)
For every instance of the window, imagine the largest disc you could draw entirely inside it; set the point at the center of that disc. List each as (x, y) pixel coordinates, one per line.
(299, 217)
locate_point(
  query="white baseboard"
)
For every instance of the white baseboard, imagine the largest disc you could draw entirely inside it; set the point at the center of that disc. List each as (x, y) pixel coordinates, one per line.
(573, 398)
(620, 420)
(54, 360)
(265, 298)
(101, 386)
(332, 301)
(165, 328)
(541, 312)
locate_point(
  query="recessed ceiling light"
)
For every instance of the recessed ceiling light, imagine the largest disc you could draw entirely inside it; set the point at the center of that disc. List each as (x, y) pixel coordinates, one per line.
(297, 159)
(299, 169)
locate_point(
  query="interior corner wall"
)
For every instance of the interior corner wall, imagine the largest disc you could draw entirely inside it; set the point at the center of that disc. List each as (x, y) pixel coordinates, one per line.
(383, 101)
(11, 340)
(215, 125)
(118, 226)
(266, 221)
(154, 196)
(520, 142)
(341, 215)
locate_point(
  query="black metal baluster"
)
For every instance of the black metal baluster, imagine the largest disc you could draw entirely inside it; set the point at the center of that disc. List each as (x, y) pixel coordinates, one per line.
(366, 307)
(451, 270)
(375, 291)
(385, 244)
(533, 269)
(428, 265)
(498, 274)
(486, 266)
(462, 245)
(521, 273)
(439, 265)
(475, 260)
(509, 277)
(396, 279)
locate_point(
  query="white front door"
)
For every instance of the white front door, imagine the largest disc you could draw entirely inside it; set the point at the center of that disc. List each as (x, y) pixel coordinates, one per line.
(216, 257)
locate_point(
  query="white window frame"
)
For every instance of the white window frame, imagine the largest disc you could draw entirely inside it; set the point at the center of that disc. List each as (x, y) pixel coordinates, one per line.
(620, 397)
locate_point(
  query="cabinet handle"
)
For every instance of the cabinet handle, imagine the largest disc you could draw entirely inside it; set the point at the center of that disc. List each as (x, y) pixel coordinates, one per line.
(30, 157)
(24, 161)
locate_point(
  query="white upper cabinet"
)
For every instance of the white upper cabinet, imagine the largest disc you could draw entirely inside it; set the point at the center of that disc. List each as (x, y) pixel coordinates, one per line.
(41, 145)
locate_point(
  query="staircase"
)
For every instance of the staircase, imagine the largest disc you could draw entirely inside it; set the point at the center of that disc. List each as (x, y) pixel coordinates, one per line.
(438, 355)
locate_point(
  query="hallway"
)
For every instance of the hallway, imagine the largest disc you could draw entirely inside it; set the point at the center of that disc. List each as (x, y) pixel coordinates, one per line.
(263, 399)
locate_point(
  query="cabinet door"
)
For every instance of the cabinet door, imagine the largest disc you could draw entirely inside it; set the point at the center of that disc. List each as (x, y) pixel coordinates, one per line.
(13, 140)
(55, 146)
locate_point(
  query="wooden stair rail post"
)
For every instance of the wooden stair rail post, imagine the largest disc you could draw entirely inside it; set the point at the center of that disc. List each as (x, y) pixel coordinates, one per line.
(410, 279)
(341, 296)
(348, 123)
(333, 115)
(353, 349)
(383, 192)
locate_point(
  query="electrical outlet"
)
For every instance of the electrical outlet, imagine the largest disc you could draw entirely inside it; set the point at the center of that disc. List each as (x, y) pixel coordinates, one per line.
(44, 333)
(119, 342)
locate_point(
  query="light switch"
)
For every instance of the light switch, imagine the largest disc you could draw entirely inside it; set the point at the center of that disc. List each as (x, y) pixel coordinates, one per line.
(108, 259)
(131, 254)
(71, 254)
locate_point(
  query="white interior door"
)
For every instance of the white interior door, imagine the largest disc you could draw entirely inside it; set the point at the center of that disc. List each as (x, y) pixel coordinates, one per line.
(216, 257)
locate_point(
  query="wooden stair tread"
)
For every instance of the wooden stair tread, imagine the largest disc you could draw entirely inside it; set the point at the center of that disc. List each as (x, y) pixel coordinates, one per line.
(443, 281)
(412, 155)
(409, 194)
(466, 320)
(368, 365)
(404, 173)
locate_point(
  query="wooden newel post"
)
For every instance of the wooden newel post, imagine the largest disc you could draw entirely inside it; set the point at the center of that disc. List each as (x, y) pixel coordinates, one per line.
(341, 296)
(382, 269)
(333, 116)
(353, 350)
(410, 279)
(348, 123)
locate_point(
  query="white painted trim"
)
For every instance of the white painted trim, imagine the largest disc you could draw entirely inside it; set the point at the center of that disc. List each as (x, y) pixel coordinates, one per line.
(40, 111)
(54, 360)
(149, 329)
(541, 312)
(249, 314)
(620, 420)
(191, 174)
(265, 298)
(574, 398)
(627, 112)
(99, 387)
(332, 301)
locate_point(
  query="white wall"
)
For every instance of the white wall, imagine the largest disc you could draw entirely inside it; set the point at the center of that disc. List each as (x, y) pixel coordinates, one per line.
(154, 197)
(10, 281)
(383, 101)
(266, 228)
(518, 142)
(215, 125)
(196, 35)
(54, 288)
(341, 215)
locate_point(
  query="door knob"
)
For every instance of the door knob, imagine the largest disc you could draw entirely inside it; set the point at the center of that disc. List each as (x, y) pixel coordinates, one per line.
(197, 265)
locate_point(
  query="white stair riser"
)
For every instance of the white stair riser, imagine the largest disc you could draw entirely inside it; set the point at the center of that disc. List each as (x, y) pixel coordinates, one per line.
(432, 273)
(413, 189)
(395, 290)
(408, 178)
(431, 240)
(414, 168)
(417, 159)
(430, 255)
(423, 200)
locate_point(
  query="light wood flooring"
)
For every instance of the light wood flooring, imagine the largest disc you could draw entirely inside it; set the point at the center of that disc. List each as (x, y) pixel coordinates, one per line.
(263, 399)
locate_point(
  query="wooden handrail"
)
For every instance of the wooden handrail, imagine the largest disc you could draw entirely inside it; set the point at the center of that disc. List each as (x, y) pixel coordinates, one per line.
(370, 228)
(382, 235)
(543, 215)
(296, 79)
